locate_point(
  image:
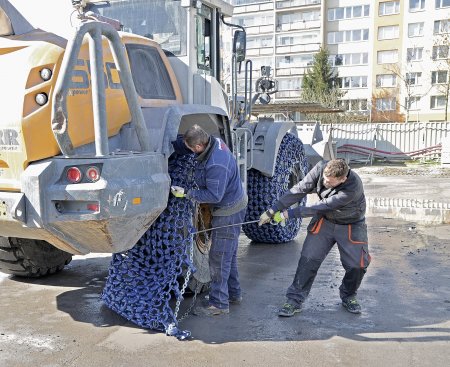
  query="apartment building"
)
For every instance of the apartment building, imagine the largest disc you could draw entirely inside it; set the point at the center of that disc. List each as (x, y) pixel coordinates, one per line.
(349, 38)
(283, 34)
(392, 56)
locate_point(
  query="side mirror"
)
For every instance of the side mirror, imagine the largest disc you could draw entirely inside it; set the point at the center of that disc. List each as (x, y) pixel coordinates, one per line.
(239, 45)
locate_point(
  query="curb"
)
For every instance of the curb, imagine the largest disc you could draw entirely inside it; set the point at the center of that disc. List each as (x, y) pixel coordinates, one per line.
(424, 211)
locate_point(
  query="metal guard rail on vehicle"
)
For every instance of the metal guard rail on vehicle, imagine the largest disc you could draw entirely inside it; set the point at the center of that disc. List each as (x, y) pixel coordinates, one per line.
(59, 120)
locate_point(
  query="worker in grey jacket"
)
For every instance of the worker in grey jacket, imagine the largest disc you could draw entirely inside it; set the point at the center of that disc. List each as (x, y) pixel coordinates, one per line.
(338, 217)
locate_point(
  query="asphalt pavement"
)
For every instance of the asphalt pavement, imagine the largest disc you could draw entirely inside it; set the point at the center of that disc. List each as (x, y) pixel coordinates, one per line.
(61, 321)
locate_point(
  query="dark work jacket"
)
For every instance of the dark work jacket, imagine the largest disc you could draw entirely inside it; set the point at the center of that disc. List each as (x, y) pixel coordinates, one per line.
(343, 204)
(217, 177)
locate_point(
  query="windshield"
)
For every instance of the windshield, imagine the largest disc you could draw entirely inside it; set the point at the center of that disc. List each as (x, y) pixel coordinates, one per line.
(161, 20)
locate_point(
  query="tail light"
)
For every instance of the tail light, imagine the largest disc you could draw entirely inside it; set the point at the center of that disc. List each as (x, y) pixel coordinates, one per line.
(74, 175)
(93, 174)
(93, 207)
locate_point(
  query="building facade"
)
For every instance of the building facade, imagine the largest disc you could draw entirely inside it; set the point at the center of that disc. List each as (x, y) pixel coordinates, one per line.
(392, 57)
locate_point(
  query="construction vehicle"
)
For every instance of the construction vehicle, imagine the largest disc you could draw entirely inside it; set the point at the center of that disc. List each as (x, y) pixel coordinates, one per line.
(89, 113)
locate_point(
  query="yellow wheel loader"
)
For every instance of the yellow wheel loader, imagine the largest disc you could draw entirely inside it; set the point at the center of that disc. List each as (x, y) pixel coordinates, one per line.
(92, 94)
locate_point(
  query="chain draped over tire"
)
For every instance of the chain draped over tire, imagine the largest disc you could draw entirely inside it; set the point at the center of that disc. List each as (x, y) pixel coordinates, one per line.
(142, 280)
(290, 167)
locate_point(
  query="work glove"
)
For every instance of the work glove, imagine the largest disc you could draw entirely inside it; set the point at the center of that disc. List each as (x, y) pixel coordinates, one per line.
(279, 218)
(266, 217)
(177, 191)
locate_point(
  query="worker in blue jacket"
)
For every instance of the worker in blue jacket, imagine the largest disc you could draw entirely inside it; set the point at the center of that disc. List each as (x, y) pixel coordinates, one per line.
(338, 217)
(219, 185)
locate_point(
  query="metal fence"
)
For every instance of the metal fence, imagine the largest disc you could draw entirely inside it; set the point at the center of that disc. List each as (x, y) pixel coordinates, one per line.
(388, 141)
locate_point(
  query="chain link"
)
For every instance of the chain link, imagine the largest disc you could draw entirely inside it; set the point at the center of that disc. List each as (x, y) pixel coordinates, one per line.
(186, 278)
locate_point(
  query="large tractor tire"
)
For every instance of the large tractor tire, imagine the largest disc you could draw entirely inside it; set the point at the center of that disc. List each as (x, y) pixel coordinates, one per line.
(31, 258)
(290, 167)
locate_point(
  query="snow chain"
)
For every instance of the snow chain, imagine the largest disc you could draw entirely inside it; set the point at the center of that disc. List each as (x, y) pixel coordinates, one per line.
(142, 280)
(264, 191)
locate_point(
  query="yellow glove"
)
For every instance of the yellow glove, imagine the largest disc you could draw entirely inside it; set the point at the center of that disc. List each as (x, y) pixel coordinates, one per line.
(266, 217)
(279, 218)
(177, 191)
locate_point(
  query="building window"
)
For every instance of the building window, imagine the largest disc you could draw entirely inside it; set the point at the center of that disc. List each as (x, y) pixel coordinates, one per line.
(353, 82)
(349, 59)
(413, 78)
(440, 52)
(416, 5)
(386, 80)
(387, 56)
(348, 12)
(442, 4)
(412, 103)
(263, 61)
(439, 77)
(415, 29)
(388, 32)
(441, 26)
(355, 35)
(414, 54)
(389, 7)
(386, 104)
(304, 60)
(353, 104)
(290, 84)
(298, 38)
(437, 102)
(289, 21)
(259, 42)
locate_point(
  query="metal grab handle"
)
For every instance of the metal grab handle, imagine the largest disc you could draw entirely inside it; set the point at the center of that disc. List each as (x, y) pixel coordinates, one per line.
(59, 121)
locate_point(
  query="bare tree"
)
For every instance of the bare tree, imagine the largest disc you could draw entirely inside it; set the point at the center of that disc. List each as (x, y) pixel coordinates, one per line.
(407, 77)
(385, 106)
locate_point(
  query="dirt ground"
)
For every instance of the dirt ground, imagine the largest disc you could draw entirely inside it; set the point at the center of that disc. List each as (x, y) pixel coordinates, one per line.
(60, 320)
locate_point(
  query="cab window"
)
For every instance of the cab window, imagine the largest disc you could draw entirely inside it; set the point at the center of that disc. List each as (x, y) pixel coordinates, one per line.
(203, 35)
(150, 75)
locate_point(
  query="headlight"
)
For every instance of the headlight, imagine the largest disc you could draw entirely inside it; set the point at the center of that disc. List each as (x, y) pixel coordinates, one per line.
(41, 99)
(46, 74)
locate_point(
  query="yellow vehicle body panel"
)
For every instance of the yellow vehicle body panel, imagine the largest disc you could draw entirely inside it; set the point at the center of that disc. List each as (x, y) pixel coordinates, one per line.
(25, 127)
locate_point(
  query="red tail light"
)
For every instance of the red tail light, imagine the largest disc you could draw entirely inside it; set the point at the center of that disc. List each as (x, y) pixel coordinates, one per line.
(93, 207)
(74, 175)
(93, 174)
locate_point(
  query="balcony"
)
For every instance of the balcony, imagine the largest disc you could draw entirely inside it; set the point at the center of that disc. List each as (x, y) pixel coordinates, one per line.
(284, 27)
(312, 47)
(260, 51)
(288, 94)
(290, 71)
(259, 29)
(284, 4)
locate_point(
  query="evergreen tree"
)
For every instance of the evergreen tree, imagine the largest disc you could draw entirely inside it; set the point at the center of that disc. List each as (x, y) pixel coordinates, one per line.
(320, 85)
(321, 81)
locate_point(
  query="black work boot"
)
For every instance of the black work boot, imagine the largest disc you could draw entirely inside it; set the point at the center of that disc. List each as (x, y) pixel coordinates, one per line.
(210, 311)
(289, 310)
(235, 300)
(352, 305)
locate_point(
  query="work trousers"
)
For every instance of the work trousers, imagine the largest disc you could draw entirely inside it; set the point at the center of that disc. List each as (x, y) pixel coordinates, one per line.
(321, 237)
(223, 260)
